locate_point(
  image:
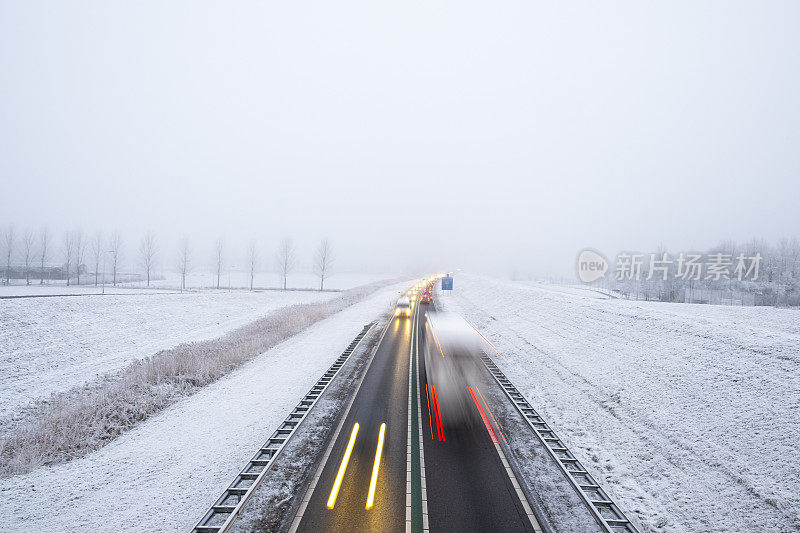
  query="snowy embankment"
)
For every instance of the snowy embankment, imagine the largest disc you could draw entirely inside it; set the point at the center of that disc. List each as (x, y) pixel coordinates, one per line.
(49, 345)
(163, 474)
(688, 414)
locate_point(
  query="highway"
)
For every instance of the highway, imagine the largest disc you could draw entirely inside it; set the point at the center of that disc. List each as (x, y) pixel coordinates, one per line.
(467, 486)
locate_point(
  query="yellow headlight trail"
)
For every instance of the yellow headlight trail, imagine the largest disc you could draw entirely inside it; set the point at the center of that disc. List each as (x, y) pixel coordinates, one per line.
(375, 466)
(342, 468)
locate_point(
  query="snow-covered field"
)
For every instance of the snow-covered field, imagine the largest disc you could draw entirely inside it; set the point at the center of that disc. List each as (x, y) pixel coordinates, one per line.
(295, 280)
(163, 474)
(689, 414)
(61, 289)
(171, 281)
(53, 344)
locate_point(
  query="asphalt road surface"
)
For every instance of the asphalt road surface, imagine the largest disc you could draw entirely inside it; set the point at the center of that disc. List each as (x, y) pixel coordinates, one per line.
(468, 488)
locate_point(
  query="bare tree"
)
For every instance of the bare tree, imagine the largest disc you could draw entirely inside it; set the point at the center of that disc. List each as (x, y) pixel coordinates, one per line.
(27, 246)
(253, 260)
(219, 250)
(115, 245)
(323, 260)
(80, 252)
(8, 240)
(43, 242)
(285, 259)
(97, 253)
(69, 252)
(148, 249)
(184, 257)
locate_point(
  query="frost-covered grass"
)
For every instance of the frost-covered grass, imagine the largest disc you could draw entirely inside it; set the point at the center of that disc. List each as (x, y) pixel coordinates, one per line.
(687, 414)
(50, 345)
(77, 421)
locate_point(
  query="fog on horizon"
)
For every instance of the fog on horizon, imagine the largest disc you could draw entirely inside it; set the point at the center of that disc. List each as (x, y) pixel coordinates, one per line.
(498, 138)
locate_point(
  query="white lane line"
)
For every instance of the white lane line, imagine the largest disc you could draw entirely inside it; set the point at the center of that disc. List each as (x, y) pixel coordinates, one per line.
(408, 441)
(521, 495)
(307, 497)
(425, 526)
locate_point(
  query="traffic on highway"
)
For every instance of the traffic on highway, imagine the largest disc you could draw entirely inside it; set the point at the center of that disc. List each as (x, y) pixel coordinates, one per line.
(419, 448)
(432, 436)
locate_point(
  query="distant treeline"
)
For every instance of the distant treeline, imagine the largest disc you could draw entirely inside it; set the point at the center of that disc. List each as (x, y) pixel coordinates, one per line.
(36, 256)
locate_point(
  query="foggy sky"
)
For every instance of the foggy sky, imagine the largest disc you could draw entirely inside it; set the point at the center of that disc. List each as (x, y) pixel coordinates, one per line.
(497, 137)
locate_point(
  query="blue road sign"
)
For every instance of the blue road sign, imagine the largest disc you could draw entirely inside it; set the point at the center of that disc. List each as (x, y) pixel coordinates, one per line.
(447, 283)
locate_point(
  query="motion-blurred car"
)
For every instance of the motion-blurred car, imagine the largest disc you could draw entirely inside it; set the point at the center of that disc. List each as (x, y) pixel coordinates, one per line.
(452, 363)
(426, 298)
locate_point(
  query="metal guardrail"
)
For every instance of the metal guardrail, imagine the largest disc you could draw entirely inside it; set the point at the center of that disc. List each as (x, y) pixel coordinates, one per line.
(605, 511)
(221, 515)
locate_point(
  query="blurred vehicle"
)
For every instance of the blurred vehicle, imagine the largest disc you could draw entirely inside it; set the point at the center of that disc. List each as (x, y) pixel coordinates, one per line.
(451, 364)
(426, 298)
(403, 307)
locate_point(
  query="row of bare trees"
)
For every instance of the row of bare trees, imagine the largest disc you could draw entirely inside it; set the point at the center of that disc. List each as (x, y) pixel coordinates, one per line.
(79, 254)
(285, 260)
(73, 253)
(322, 261)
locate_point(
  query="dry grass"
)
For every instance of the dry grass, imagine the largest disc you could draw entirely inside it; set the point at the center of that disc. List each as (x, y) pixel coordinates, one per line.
(75, 422)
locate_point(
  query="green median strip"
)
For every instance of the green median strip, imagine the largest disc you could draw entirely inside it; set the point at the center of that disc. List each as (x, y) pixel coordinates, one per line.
(416, 479)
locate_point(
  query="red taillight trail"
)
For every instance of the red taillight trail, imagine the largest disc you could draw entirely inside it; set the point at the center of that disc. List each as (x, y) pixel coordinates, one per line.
(486, 423)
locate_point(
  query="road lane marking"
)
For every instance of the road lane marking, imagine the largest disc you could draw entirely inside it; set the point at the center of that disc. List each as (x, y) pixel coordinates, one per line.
(421, 441)
(374, 480)
(409, 455)
(340, 475)
(486, 404)
(521, 495)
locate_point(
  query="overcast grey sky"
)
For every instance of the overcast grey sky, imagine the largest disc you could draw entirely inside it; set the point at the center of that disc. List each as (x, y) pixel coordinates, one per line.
(495, 136)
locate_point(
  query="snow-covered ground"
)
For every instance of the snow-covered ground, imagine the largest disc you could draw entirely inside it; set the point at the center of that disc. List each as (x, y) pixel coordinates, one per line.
(171, 281)
(688, 414)
(163, 474)
(53, 344)
(62, 289)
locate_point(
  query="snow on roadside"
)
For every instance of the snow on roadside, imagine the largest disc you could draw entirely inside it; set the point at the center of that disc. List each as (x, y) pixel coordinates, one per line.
(688, 414)
(53, 344)
(164, 474)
